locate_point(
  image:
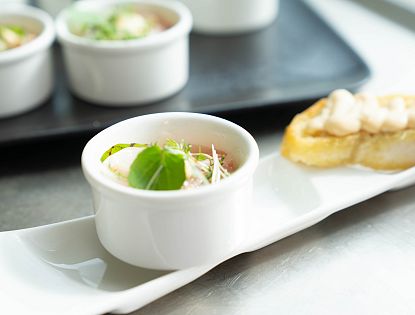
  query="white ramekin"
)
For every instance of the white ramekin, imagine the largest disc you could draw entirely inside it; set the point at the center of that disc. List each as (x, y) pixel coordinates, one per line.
(13, 1)
(221, 17)
(53, 7)
(172, 229)
(129, 72)
(26, 74)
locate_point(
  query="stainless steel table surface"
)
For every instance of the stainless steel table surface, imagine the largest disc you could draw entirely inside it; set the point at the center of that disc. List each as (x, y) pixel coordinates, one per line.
(360, 260)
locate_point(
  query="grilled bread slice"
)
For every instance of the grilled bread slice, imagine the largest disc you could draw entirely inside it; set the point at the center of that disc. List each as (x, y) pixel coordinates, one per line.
(379, 151)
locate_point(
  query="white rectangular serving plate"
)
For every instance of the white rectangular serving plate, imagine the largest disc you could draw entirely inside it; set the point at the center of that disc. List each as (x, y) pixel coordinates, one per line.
(63, 269)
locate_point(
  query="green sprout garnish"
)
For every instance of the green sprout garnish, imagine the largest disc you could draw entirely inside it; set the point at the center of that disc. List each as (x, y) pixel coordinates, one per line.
(172, 166)
(12, 36)
(123, 22)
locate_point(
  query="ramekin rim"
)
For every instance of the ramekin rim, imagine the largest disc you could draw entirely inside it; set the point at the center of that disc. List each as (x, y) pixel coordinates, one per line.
(40, 42)
(244, 171)
(181, 28)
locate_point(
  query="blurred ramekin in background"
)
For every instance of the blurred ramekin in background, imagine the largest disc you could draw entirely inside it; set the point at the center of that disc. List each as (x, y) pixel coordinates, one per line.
(223, 17)
(127, 72)
(53, 7)
(26, 74)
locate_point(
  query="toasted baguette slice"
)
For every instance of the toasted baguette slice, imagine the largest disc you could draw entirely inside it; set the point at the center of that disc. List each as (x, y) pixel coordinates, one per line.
(380, 151)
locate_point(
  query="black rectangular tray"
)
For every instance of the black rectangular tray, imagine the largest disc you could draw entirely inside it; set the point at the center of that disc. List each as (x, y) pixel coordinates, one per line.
(297, 58)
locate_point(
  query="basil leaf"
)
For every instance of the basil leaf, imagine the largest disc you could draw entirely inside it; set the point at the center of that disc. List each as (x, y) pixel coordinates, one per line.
(157, 169)
(119, 147)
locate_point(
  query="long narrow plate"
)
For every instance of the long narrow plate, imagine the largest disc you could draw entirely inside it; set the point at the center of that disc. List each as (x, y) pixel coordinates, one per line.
(63, 269)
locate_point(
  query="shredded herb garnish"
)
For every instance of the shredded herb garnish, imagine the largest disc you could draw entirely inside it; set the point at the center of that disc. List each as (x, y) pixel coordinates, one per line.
(12, 36)
(172, 166)
(123, 22)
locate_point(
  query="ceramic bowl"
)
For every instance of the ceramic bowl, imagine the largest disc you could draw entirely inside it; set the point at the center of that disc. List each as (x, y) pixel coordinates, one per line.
(221, 17)
(172, 229)
(53, 7)
(127, 72)
(26, 76)
(14, 1)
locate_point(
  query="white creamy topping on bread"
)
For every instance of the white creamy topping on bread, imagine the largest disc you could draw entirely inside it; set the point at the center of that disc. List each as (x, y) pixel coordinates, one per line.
(397, 116)
(345, 114)
(411, 116)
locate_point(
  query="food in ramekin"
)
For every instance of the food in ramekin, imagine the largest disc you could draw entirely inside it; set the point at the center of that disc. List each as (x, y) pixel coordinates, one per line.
(172, 166)
(375, 132)
(123, 22)
(26, 74)
(12, 36)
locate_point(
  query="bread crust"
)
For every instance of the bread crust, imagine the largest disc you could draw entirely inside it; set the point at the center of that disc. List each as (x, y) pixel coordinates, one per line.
(380, 151)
